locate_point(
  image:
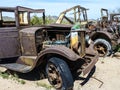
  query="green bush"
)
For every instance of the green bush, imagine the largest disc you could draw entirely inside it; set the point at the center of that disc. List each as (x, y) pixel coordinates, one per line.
(39, 20)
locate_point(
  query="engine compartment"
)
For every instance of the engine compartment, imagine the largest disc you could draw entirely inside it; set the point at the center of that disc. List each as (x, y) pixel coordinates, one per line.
(46, 37)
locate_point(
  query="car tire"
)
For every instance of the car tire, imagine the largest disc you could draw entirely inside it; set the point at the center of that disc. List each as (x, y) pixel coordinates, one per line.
(59, 74)
(103, 47)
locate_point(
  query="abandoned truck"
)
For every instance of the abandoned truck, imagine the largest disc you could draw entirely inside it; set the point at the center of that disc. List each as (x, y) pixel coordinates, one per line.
(24, 47)
(106, 35)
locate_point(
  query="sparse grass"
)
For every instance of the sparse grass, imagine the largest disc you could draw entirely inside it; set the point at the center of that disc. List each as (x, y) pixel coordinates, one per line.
(48, 87)
(4, 75)
(14, 77)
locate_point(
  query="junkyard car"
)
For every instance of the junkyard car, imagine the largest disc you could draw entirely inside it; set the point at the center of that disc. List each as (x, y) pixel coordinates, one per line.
(24, 47)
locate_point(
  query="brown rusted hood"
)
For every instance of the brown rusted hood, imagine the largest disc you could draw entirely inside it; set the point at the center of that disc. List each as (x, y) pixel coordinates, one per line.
(27, 39)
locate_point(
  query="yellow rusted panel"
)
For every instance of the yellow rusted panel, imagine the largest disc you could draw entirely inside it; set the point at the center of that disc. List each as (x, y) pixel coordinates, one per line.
(28, 61)
(74, 38)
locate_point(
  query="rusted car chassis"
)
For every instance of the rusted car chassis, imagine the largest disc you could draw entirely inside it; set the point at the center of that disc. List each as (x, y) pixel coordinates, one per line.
(24, 47)
(48, 51)
(107, 34)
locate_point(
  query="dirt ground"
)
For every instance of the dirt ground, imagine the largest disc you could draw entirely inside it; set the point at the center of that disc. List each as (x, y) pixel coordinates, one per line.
(105, 77)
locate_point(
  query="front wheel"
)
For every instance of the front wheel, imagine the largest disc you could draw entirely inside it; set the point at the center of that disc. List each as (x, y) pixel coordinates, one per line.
(59, 74)
(103, 47)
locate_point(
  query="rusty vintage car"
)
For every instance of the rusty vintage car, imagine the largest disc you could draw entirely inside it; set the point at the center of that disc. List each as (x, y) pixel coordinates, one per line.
(106, 35)
(24, 47)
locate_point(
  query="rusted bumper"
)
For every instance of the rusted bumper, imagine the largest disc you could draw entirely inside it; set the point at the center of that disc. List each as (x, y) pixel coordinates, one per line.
(90, 65)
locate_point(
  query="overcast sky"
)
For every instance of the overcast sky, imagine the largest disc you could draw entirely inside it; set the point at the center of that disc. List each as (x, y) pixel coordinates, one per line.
(54, 7)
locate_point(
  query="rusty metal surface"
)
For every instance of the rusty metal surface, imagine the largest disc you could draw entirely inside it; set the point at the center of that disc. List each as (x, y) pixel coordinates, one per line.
(64, 26)
(90, 65)
(21, 64)
(21, 8)
(97, 34)
(108, 27)
(17, 10)
(17, 41)
(17, 67)
(22, 43)
(27, 60)
(77, 12)
(92, 57)
(60, 50)
(9, 35)
(9, 43)
(27, 39)
(83, 45)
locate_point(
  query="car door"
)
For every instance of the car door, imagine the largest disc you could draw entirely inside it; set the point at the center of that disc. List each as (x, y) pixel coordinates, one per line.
(9, 36)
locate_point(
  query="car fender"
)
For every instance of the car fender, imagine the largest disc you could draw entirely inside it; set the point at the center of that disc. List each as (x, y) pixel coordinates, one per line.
(101, 34)
(59, 50)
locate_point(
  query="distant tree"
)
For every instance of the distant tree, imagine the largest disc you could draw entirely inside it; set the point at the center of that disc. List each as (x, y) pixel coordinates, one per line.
(36, 20)
(49, 19)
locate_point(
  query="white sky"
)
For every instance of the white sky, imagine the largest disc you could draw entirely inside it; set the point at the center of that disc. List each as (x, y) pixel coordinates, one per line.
(54, 7)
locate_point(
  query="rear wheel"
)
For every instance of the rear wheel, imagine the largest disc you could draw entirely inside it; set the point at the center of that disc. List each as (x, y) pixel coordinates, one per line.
(59, 74)
(103, 47)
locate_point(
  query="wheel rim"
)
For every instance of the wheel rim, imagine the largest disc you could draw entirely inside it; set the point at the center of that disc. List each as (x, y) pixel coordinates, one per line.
(54, 76)
(101, 48)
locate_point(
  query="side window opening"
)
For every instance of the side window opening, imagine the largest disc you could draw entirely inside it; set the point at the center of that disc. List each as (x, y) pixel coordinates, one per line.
(36, 18)
(7, 19)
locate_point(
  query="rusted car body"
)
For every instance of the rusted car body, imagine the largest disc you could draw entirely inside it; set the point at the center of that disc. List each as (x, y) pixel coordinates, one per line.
(24, 47)
(107, 33)
(73, 15)
(9, 30)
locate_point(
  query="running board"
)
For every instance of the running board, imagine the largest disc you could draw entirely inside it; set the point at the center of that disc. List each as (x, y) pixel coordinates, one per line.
(23, 64)
(17, 67)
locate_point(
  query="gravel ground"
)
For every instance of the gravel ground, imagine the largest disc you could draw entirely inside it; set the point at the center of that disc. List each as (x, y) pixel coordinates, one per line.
(106, 77)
